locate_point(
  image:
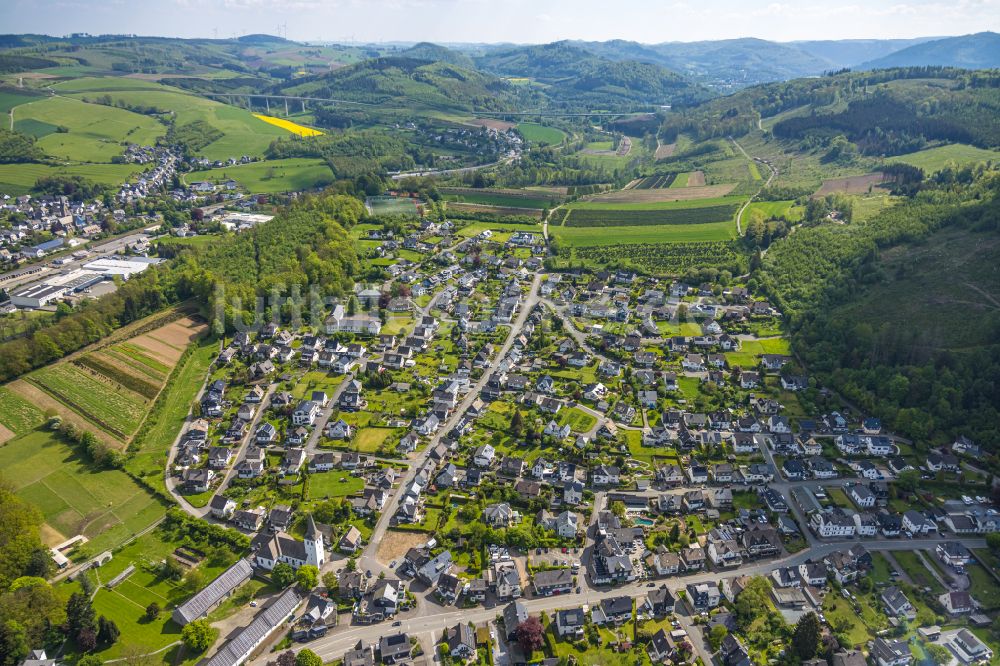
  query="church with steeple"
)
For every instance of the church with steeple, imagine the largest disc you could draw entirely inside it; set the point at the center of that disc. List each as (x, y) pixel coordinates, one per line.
(269, 549)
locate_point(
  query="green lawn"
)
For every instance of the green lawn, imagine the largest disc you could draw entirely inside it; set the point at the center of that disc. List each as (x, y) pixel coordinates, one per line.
(604, 655)
(681, 180)
(369, 440)
(686, 329)
(577, 419)
(846, 620)
(880, 568)
(916, 570)
(333, 484)
(985, 588)
(840, 498)
(778, 209)
(396, 325)
(272, 175)
(72, 495)
(751, 350)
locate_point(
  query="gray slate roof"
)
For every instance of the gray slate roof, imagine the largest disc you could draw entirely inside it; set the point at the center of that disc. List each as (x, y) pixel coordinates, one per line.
(199, 605)
(236, 650)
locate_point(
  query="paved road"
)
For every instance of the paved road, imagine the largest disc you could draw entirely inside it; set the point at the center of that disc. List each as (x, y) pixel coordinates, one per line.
(451, 172)
(172, 482)
(324, 416)
(343, 638)
(368, 559)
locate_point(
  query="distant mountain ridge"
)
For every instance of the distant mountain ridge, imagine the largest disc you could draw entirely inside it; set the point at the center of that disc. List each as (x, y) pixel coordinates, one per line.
(840, 53)
(978, 51)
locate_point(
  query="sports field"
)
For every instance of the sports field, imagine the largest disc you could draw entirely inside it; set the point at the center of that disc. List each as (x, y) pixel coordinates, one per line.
(391, 206)
(273, 175)
(535, 133)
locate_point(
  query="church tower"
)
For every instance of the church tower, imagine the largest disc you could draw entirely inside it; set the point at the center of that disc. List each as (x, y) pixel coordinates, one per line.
(315, 552)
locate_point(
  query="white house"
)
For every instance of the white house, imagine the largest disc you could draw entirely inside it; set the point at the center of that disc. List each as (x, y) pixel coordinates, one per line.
(484, 455)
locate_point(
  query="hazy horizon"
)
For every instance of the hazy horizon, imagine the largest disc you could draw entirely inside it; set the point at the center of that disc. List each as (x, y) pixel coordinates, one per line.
(521, 22)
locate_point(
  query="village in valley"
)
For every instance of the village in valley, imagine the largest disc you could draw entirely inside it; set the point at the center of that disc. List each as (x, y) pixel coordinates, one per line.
(479, 444)
(498, 355)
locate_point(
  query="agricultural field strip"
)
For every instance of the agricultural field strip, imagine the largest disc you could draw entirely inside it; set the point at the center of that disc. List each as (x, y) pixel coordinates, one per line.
(656, 217)
(115, 409)
(664, 195)
(643, 234)
(656, 205)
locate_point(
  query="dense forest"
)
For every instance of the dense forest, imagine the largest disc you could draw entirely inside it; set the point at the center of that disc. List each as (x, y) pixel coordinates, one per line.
(814, 274)
(307, 245)
(349, 155)
(885, 125)
(951, 97)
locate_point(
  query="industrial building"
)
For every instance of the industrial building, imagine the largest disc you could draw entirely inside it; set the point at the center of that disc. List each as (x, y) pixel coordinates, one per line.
(56, 287)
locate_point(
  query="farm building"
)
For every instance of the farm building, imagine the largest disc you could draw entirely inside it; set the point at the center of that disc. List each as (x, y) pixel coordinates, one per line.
(217, 591)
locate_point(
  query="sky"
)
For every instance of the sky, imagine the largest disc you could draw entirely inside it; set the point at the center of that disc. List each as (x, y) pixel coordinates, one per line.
(518, 21)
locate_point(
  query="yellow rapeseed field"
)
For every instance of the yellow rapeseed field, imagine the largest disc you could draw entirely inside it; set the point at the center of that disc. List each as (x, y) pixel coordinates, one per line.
(294, 128)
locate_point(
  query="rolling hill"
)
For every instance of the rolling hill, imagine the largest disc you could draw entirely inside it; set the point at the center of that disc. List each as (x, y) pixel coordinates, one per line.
(978, 51)
(577, 76)
(435, 53)
(406, 81)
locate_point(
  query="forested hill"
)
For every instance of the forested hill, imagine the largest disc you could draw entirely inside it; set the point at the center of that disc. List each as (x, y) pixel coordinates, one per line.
(408, 82)
(575, 75)
(435, 53)
(305, 245)
(978, 51)
(885, 112)
(899, 313)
